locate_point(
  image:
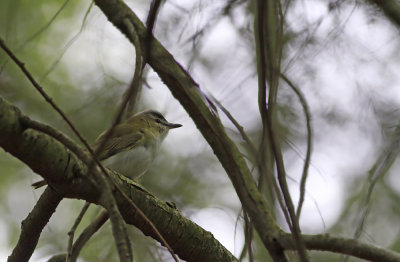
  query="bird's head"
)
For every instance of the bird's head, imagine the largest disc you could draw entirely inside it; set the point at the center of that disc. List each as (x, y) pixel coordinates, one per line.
(155, 122)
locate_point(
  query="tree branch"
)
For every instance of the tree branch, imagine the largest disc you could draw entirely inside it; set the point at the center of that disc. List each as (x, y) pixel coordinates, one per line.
(33, 224)
(87, 234)
(71, 233)
(269, 49)
(309, 142)
(346, 246)
(82, 239)
(390, 8)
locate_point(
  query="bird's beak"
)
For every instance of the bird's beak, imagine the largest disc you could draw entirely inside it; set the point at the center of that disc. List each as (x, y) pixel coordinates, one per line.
(172, 125)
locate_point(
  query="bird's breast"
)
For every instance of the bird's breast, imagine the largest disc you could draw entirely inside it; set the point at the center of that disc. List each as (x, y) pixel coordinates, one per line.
(132, 163)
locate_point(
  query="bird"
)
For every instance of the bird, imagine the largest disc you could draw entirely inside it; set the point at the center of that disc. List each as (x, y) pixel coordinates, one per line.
(133, 144)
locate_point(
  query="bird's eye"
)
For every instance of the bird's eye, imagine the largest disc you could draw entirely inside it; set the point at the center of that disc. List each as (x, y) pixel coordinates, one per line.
(158, 120)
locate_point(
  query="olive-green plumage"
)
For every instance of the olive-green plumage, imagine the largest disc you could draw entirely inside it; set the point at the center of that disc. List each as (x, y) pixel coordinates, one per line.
(134, 143)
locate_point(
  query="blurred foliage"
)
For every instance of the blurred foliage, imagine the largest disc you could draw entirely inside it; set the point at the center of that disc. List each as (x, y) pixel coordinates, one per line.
(348, 77)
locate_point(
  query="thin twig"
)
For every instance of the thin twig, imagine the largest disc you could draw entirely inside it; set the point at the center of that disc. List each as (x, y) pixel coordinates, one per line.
(380, 168)
(71, 233)
(244, 248)
(53, 105)
(142, 54)
(69, 43)
(42, 29)
(309, 142)
(267, 117)
(240, 128)
(38, 32)
(41, 91)
(87, 233)
(132, 93)
(262, 97)
(255, 156)
(262, 93)
(141, 60)
(248, 235)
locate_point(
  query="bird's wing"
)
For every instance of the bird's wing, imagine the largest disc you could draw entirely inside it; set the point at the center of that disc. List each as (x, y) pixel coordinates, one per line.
(123, 138)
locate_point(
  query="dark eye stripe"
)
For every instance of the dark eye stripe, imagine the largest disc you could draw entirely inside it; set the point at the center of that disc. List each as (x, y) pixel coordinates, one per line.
(157, 115)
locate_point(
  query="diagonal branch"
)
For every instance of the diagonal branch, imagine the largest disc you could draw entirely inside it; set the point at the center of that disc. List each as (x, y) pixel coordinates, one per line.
(268, 64)
(33, 224)
(309, 142)
(83, 238)
(71, 233)
(87, 234)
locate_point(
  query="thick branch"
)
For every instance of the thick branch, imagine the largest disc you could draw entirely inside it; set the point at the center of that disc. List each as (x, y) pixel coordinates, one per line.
(66, 175)
(346, 246)
(391, 8)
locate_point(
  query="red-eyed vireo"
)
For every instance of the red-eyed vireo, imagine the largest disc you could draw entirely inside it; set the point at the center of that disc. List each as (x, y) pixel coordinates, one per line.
(133, 144)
